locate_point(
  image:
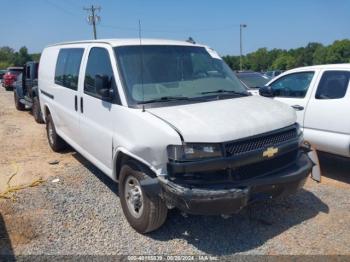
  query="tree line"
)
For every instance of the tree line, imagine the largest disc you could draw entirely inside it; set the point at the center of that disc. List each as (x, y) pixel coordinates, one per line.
(10, 57)
(260, 60)
(312, 54)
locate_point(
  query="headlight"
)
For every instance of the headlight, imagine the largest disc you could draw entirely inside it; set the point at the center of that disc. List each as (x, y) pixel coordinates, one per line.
(193, 151)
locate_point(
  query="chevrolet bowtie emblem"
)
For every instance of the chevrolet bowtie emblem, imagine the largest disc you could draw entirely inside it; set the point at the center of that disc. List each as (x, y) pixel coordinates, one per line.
(270, 152)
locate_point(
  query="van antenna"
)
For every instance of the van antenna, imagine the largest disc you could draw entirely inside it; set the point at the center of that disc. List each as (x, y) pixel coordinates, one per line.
(141, 69)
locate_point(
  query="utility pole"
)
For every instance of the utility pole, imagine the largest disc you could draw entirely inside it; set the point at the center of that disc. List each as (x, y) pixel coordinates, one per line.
(92, 18)
(241, 26)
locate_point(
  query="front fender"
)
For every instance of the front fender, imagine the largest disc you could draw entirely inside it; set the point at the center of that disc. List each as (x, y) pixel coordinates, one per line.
(126, 152)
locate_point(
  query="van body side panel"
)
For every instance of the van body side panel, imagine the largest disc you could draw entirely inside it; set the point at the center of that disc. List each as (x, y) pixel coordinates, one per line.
(96, 117)
(60, 99)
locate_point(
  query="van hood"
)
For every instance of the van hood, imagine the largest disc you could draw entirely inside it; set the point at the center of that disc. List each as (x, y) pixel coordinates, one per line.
(226, 120)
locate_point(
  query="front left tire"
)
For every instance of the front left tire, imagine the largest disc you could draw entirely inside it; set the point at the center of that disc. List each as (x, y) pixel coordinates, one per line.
(144, 213)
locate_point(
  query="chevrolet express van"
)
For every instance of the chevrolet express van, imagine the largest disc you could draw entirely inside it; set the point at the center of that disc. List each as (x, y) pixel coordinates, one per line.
(172, 124)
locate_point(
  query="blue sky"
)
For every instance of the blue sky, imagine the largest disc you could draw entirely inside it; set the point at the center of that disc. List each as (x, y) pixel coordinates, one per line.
(271, 23)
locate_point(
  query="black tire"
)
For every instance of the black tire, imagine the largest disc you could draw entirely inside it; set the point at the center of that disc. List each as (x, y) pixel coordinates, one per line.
(8, 88)
(154, 211)
(56, 143)
(19, 106)
(36, 111)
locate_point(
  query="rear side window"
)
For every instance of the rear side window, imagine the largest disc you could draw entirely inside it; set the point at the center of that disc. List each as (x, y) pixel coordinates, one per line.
(333, 85)
(67, 67)
(99, 67)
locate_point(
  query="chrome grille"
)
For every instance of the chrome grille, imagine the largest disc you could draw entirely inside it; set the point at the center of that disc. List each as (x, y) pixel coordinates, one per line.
(260, 142)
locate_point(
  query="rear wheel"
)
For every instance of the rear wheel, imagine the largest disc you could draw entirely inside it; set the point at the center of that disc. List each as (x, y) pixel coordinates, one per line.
(144, 213)
(18, 104)
(36, 111)
(55, 141)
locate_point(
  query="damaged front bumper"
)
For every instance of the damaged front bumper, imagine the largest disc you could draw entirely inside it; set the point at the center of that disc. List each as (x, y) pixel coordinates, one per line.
(231, 197)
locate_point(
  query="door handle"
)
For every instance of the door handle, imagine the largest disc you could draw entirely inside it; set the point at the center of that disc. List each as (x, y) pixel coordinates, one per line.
(81, 105)
(298, 107)
(76, 103)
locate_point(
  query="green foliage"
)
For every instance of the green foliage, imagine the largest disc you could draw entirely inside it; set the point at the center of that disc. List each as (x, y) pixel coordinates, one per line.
(312, 54)
(36, 57)
(9, 57)
(284, 62)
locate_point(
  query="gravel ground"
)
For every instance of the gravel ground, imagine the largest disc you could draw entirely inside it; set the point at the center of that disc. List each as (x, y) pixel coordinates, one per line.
(81, 214)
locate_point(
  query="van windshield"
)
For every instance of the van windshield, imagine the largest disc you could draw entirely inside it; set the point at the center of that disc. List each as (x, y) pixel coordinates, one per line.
(175, 72)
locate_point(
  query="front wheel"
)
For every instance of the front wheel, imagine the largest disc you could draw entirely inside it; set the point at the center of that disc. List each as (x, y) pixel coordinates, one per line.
(36, 111)
(144, 213)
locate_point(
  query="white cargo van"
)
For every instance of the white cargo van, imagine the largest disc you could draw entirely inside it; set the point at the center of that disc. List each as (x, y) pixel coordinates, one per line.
(172, 124)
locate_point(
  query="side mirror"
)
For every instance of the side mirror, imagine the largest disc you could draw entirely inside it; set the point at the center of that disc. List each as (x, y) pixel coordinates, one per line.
(266, 91)
(103, 87)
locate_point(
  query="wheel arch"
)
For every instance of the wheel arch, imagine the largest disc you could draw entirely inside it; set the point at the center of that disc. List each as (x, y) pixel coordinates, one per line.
(46, 111)
(121, 156)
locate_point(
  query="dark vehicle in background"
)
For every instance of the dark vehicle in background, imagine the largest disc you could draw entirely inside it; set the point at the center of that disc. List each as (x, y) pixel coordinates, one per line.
(273, 74)
(253, 80)
(26, 92)
(10, 77)
(2, 73)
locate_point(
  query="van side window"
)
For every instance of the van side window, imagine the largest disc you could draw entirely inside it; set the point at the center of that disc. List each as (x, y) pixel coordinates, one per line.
(67, 67)
(333, 85)
(99, 67)
(294, 85)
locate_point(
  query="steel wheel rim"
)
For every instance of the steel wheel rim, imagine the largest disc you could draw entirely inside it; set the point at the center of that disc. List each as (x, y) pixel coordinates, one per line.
(134, 197)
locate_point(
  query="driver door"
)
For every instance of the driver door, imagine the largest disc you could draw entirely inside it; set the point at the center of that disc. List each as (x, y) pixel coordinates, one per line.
(294, 89)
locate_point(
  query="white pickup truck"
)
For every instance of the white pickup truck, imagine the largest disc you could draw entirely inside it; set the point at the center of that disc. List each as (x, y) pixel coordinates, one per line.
(321, 98)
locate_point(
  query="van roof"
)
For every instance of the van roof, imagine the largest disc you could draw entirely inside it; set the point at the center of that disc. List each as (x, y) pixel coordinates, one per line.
(131, 41)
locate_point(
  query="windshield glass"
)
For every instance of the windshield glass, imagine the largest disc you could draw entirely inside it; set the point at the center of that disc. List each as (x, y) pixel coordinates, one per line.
(253, 80)
(173, 71)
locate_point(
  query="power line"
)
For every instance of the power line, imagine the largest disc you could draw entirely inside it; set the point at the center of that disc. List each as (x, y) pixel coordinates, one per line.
(92, 18)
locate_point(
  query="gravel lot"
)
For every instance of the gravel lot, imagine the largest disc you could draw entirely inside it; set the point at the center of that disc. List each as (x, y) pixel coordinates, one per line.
(81, 213)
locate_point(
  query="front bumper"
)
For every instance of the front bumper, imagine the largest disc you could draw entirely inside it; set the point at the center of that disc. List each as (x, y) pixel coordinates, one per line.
(231, 197)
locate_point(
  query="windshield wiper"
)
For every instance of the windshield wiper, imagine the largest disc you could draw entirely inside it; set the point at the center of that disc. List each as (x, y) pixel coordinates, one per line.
(225, 91)
(165, 99)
